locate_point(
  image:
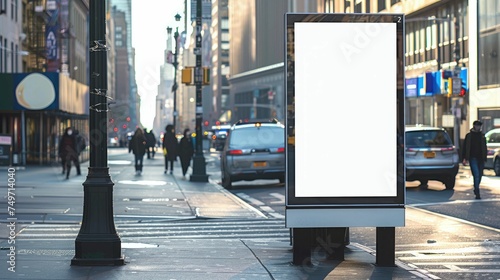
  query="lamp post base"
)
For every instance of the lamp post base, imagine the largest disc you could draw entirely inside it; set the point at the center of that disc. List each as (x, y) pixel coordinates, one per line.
(98, 250)
(97, 242)
(199, 169)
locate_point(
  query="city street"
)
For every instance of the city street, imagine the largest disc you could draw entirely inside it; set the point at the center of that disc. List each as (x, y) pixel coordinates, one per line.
(448, 234)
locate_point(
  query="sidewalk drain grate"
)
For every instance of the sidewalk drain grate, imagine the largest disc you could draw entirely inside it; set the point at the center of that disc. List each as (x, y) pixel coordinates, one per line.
(46, 252)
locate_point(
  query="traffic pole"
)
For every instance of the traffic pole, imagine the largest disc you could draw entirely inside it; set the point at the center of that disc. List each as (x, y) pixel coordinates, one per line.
(199, 168)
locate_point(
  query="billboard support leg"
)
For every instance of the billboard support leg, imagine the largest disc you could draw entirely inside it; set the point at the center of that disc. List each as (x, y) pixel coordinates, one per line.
(386, 246)
(301, 246)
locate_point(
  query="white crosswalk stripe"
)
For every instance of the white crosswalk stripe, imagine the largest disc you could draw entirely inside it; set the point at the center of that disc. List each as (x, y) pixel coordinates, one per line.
(192, 229)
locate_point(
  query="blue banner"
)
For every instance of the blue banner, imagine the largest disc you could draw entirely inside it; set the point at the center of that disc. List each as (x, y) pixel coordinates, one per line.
(51, 41)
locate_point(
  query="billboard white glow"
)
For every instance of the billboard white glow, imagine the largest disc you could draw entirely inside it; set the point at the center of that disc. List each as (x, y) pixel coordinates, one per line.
(345, 109)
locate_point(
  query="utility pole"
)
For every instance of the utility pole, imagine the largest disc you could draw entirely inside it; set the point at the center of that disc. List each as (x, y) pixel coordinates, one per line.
(456, 73)
(97, 242)
(199, 168)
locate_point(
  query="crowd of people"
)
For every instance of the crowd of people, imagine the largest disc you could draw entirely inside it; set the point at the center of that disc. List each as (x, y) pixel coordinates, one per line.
(142, 143)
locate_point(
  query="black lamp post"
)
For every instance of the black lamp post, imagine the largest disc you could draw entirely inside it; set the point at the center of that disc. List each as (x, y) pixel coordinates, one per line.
(97, 242)
(199, 168)
(175, 64)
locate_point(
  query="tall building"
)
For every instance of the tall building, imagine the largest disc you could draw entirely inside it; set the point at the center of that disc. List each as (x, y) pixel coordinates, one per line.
(120, 113)
(164, 98)
(220, 63)
(484, 38)
(257, 57)
(11, 38)
(125, 6)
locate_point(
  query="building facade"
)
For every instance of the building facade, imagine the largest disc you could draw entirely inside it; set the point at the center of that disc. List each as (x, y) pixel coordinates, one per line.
(256, 73)
(484, 100)
(38, 104)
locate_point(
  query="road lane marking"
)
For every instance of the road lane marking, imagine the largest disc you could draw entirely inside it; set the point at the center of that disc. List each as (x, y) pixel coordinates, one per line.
(250, 199)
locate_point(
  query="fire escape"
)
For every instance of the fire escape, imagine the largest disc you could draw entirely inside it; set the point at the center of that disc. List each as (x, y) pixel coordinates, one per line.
(34, 26)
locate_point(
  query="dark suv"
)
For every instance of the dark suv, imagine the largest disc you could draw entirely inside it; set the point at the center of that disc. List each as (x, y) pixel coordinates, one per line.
(253, 150)
(430, 155)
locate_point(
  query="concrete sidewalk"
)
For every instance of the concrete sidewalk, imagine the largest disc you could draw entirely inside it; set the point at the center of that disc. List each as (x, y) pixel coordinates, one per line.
(176, 258)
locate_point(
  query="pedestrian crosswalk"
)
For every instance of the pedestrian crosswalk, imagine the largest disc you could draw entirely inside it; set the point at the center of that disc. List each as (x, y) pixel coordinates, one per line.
(189, 229)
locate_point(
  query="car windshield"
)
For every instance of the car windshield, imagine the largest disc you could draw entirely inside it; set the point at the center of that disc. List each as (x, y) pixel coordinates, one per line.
(253, 137)
(427, 138)
(493, 137)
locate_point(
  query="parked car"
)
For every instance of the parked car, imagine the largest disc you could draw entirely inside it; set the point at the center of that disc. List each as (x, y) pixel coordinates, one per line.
(113, 141)
(219, 136)
(252, 151)
(493, 145)
(430, 155)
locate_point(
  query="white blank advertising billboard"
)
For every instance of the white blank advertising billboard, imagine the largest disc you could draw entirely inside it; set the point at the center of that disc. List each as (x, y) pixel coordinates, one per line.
(345, 120)
(345, 109)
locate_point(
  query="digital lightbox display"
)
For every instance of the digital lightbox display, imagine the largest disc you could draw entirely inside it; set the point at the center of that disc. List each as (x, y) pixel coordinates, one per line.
(345, 91)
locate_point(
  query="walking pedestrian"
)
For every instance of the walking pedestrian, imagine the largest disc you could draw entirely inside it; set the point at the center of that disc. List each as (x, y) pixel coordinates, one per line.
(151, 141)
(138, 146)
(80, 146)
(170, 147)
(186, 152)
(474, 154)
(68, 151)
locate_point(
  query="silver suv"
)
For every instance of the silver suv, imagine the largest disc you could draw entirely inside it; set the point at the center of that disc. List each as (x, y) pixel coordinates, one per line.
(253, 150)
(493, 145)
(430, 155)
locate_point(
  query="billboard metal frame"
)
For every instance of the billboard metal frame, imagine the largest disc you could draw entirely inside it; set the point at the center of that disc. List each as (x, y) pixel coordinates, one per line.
(326, 210)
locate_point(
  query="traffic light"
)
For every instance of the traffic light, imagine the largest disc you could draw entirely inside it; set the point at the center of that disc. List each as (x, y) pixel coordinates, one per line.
(463, 92)
(206, 76)
(187, 75)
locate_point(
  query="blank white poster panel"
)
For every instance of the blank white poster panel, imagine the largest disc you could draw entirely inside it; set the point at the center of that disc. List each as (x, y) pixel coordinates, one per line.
(345, 109)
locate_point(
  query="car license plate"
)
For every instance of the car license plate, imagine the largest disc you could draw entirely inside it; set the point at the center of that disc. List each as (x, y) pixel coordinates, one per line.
(429, 154)
(259, 164)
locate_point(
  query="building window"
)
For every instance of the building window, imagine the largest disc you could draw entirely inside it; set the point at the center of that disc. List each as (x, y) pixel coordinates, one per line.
(357, 7)
(381, 5)
(18, 55)
(367, 6)
(5, 55)
(1, 54)
(12, 57)
(488, 44)
(394, 2)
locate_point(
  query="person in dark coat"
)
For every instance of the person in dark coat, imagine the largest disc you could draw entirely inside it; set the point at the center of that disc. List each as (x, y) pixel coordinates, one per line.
(474, 153)
(138, 146)
(186, 152)
(68, 151)
(170, 147)
(151, 141)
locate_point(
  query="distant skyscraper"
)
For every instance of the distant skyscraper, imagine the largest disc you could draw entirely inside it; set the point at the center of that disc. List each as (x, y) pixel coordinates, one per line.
(125, 6)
